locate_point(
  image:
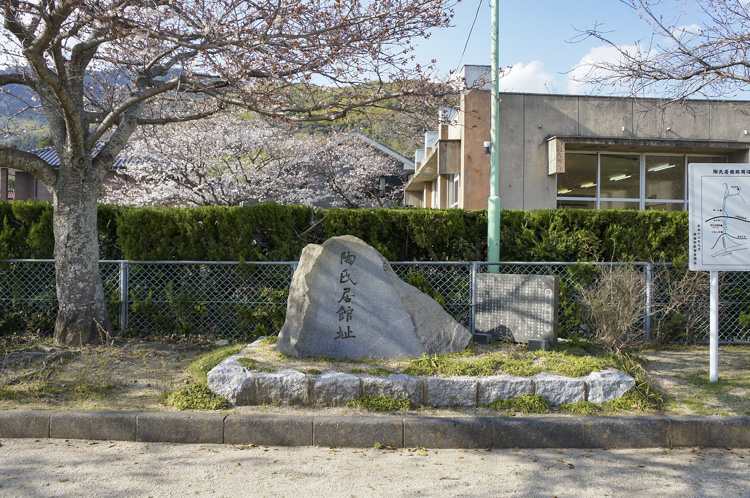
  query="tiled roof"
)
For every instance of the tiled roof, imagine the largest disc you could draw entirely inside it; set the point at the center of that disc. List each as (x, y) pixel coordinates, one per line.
(49, 154)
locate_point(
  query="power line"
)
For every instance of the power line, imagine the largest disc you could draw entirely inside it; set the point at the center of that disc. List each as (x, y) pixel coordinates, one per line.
(476, 16)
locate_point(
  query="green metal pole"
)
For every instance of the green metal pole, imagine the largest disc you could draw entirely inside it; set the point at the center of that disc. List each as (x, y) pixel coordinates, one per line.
(493, 204)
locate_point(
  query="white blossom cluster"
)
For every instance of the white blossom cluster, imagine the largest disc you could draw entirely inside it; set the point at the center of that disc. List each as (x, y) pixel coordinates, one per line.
(227, 161)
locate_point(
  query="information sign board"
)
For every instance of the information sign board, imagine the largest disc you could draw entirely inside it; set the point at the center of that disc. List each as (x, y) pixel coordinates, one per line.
(719, 212)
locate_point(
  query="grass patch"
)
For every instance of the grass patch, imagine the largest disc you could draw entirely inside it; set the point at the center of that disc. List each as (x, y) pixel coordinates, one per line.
(270, 339)
(645, 396)
(248, 363)
(381, 403)
(94, 377)
(207, 361)
(580, 408)
(381, 372)
(567, 361)
(704, 397)
(526, 403)
(628, 402)
(196, 396)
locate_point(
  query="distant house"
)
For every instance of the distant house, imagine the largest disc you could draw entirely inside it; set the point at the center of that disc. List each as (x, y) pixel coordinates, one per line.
(575, 151)
(21, 186)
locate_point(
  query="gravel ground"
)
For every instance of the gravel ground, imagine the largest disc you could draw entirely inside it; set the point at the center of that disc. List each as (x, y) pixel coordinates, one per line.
(41, 468)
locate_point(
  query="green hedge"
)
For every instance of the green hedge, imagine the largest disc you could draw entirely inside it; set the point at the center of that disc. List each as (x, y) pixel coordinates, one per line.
(265, 232)
(544, 235)
(270, 232)
(26, 231)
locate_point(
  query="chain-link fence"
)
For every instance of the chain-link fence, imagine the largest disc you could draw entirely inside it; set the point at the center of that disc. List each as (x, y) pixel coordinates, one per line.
(239, 300)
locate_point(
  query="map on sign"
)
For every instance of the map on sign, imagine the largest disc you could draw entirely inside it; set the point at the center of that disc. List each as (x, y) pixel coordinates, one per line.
(719, 207)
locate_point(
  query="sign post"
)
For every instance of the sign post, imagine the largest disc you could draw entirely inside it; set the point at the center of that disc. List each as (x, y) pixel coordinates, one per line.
(719, 207)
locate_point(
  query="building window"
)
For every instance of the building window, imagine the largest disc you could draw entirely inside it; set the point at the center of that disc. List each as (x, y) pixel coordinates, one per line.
(453, 191)
(605, 180)
(11, 192)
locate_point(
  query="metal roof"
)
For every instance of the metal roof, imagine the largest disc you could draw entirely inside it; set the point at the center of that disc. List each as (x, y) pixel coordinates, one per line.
(49, 155)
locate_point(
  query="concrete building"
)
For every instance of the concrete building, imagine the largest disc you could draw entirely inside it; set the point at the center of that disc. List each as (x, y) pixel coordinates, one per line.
(575, 151)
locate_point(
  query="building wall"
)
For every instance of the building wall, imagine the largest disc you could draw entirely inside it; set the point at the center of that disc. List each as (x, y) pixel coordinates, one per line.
(3, 184)
(28, 188)
(474, 123)
(528, 120)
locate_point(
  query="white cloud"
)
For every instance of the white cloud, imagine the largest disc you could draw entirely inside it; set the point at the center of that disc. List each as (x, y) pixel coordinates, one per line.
(690, 30)
(527, 78)
(590, 67)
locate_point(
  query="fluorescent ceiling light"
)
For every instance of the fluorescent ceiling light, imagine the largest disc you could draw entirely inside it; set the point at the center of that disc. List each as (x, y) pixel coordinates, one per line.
(662, 167)
(619, 177)
(589, 184)
(564, 191)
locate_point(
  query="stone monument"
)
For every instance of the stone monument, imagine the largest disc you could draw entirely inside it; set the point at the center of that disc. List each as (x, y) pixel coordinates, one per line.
(345, 301)
(519, 308)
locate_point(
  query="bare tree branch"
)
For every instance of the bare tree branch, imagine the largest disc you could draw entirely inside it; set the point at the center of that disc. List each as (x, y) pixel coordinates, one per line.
(704, 51)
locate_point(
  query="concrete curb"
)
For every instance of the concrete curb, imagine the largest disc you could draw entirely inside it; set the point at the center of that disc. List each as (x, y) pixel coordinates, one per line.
(391, 430)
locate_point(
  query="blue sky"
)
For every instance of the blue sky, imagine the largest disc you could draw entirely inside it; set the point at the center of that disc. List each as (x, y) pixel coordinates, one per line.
(536, 38)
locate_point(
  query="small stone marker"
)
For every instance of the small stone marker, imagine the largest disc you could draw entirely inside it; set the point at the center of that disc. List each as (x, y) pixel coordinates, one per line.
(520, 308)
(345, 301)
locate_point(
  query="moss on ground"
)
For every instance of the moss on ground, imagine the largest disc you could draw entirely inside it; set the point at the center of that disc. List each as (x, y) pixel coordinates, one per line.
(526, 403)
(207, 361)
(196, 396)
(567, 361)
(248, 363)
(580, 408)
(381, 403)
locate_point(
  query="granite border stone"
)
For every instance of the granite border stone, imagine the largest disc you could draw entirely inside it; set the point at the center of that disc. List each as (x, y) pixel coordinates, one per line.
(451, 391)
(389, 430)
(503, 387)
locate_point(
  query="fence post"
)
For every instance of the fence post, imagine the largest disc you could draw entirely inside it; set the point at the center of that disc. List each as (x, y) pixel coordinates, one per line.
(649, 299)
(473, 268)
(124, 294)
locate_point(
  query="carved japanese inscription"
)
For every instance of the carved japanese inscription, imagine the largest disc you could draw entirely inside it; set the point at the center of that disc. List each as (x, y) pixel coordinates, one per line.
(345, 301)
(517, 307)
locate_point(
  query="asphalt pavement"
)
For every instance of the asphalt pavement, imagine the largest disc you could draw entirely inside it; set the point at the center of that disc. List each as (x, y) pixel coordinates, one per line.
(59, 467)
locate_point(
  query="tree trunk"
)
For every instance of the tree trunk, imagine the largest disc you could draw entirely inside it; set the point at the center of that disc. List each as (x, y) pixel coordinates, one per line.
(82, 315)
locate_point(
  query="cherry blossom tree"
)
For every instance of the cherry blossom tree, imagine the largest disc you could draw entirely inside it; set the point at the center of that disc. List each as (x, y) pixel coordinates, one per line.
(222, 162)
(218, 161)
(696, 48)
(100, 68)
(345, 171)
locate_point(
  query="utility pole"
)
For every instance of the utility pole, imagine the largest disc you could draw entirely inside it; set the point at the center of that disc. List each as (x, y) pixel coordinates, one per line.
(493, 203)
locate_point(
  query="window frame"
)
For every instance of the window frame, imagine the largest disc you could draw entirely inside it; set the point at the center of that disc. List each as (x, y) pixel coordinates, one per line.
(453, 190)
(642, 201)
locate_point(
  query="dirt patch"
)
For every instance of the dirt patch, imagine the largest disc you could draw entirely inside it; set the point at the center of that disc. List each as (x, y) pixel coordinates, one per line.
(126, 375)
(682, 374)
(137, 375)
